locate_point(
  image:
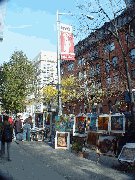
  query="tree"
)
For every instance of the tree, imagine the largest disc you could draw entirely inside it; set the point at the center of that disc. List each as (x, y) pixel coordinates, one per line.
(17, 81)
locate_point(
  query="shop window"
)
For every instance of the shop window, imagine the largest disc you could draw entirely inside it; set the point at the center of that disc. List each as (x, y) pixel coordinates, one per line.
(110, 106)
(80, 109)
(132, 55)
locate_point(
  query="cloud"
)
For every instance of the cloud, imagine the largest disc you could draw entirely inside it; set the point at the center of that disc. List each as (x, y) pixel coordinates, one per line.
(23, 26)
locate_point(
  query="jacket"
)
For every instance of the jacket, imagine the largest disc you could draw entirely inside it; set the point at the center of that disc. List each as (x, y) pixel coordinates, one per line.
(18, 125)
(7, 133)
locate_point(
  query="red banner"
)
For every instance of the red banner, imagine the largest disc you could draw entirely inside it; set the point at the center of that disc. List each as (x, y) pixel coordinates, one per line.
(67, 45)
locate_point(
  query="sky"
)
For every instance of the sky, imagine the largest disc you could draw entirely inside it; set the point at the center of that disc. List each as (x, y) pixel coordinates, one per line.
(31, 26)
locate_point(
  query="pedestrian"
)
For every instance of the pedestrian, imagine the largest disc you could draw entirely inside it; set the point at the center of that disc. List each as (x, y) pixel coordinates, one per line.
(27, 128)
(7, 135)
(18, 128)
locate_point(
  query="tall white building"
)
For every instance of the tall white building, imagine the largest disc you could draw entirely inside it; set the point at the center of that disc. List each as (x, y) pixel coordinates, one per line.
(46, 65)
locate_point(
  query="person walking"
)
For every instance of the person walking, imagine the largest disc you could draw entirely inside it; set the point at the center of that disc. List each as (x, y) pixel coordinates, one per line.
(27, 129)
(18, 128)
(7, 135)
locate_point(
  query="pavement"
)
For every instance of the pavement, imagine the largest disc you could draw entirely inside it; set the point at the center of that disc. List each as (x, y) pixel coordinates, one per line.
(39, 161)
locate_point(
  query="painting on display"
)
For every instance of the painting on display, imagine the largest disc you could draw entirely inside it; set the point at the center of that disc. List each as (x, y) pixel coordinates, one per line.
(107, 145)
(62, 140)
(93, 123)
(92, 138)
(79, 125)
(103, 123)
(118, 123)
(63, 123)
(127, 153)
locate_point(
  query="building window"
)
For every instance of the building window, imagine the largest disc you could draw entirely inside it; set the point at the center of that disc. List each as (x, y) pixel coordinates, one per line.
(93, 54)
(79, 76)
(81, 62)
(80, 109)
(84, 75)
(133, 73)
(107, 66)
(109, 47)
(114, 61)
(97, 69)
(92, 71)
(108, 80)
(116, 78)
(132, 35)
(70, 110)
(99, 84)
(85, 109)
(70, 67)
(73, 109)
(93, 86)
(61, 71)
(132, 55)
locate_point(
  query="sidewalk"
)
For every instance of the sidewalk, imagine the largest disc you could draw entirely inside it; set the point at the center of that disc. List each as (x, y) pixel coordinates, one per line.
(38, 160)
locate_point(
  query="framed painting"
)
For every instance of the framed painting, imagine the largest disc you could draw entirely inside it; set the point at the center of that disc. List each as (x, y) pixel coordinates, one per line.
(103, 123)
(117, 124)
(62, 140)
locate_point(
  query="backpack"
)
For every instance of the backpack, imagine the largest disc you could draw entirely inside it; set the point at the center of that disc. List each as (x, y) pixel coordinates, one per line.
(7, 134)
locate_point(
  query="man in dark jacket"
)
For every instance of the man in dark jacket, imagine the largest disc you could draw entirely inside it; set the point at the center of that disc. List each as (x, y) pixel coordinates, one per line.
(7, 135)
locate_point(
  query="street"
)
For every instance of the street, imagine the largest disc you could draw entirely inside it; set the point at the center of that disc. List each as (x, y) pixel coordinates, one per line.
(39, 160)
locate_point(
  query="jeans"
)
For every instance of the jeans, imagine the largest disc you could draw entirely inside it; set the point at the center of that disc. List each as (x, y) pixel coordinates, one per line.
(26, 131)
(3, 148)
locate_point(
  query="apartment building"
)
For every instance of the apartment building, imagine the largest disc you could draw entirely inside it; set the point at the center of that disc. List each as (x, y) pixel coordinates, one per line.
(46, 66)
(100, 65)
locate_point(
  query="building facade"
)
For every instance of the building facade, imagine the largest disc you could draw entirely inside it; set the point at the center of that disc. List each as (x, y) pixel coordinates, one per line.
(46, 66)
(100, 68)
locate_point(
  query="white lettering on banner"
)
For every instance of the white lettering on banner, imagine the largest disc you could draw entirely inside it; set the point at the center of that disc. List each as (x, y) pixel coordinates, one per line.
(67, 45)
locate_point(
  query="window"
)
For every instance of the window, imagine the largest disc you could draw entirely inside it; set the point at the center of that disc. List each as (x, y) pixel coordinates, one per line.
(93, 54)
(84, 75)
(116, 78)
(44, 74)
(79, 62)
(117, 104)
(108, 80)
(61, 71)
(114, 61)
(73, 109)
(93, 86)
(109, 47)
(133, 73)
(94, 109)
(97, 69)
(92, 71)
(132, 55)
(79, 76)
(99, 108)
(70, 66)
(132, 36)
(107, 66)
(80, 109)
(99, 84)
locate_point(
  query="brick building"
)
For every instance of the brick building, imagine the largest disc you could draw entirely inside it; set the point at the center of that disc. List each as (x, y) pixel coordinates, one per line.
(99, 65)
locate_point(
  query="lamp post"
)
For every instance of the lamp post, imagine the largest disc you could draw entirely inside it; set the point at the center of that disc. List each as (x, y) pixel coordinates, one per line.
(58, 62)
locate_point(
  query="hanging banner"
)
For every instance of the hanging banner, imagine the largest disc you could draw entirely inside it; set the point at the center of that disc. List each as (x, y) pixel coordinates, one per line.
(67, 45)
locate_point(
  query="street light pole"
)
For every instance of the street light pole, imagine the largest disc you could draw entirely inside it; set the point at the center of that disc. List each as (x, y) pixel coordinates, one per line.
(58, 68)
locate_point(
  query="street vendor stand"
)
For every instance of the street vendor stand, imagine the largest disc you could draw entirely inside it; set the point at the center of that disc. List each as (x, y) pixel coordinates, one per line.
(110, 128)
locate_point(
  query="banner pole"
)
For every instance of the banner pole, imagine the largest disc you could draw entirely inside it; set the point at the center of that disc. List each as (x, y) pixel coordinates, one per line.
(58, 68)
